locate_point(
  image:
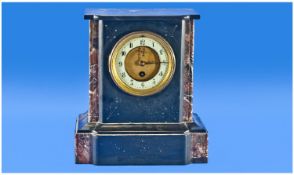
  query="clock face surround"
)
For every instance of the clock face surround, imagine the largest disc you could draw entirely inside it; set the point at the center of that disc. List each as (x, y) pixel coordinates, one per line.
(142, 63)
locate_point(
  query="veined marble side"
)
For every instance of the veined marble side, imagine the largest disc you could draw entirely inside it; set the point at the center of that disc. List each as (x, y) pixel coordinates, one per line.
(94, 73)
(83, 146)
(188, 71)
(199, 147)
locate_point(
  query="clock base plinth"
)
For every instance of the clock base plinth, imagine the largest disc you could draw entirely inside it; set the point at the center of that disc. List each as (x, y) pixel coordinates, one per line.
(140, 144)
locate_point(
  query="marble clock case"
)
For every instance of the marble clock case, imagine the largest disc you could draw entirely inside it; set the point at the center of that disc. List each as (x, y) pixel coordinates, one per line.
(121, 129)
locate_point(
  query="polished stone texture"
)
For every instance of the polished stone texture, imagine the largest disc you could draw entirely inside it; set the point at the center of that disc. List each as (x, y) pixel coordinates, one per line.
(188, 71)
(121, 129)
(140, 144)
(199, 149)
(94, 73)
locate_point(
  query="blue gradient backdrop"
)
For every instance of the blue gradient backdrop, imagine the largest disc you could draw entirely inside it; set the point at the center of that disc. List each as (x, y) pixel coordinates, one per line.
(243, 85)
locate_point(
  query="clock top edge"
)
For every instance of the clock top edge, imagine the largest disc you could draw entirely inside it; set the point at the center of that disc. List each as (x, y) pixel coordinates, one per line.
(91, 14)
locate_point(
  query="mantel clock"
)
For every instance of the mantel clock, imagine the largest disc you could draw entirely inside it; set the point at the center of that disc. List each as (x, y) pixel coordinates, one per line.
(141, 89)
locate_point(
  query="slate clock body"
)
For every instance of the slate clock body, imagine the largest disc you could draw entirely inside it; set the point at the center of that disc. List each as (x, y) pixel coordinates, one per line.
(141, 83)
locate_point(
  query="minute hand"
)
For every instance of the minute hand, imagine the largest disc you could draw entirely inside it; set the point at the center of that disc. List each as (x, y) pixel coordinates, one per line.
(155, 62)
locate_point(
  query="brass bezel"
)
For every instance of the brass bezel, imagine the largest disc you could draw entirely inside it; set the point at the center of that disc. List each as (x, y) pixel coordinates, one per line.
(167, 76)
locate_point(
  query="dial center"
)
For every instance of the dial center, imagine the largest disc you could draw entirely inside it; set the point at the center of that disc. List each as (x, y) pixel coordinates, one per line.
(142, 63)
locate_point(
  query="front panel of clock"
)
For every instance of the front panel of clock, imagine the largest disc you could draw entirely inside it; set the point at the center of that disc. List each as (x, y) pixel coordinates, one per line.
(141, 70)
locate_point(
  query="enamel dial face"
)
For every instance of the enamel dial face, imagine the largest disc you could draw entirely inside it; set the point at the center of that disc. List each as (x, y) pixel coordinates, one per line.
(142, 63)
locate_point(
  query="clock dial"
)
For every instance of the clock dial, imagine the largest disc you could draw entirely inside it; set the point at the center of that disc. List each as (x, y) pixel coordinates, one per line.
(142, 63)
